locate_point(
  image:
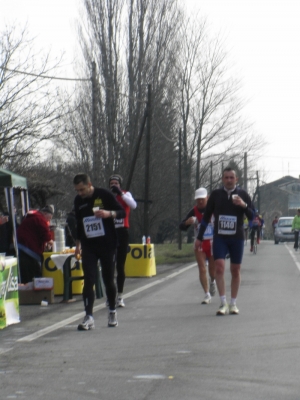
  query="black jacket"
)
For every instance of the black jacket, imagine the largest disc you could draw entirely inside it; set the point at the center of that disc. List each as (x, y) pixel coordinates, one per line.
(105, 200)
(223, 209)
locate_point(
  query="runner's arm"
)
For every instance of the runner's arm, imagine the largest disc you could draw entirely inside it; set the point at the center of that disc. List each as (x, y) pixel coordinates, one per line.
(185, 224)
(129, 200)
(209, 209)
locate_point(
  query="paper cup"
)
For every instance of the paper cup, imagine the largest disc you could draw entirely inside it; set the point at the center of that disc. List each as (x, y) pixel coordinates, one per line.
(95, 209)
(235, 196)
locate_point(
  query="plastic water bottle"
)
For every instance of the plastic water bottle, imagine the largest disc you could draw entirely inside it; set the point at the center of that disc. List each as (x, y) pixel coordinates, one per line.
(148, 240)
(144, 239)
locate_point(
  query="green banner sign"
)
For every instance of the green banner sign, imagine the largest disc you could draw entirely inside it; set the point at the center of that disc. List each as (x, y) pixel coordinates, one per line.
(9, 295)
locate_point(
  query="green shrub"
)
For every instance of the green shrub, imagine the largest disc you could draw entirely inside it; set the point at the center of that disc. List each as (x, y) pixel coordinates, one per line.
(169, 253)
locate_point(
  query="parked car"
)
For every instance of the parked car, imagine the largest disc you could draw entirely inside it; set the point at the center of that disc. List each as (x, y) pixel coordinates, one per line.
(283, 231)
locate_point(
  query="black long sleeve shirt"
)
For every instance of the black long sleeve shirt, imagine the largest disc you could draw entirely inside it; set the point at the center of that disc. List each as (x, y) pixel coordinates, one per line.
(86, 227)
(228, 216)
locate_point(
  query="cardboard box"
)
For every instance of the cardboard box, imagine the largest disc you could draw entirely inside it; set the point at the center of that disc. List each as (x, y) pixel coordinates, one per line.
(43, 283)
(36, 296)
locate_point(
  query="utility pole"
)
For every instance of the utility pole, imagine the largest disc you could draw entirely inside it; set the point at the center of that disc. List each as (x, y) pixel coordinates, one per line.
(147, 164)
(258, 193)
(136, 151)
(222, 172)
(179, 191)
(245, 172)
(94, 122)
(211, 178)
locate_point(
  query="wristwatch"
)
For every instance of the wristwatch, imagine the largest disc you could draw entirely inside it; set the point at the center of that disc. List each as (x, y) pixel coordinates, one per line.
(246, 206)
(113, 214)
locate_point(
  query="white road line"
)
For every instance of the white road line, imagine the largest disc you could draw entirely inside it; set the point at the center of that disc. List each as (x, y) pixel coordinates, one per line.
(75, 317)
(2, 351)
(293, 256)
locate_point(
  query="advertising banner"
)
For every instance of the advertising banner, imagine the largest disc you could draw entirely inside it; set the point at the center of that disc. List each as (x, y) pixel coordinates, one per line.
(140, 261)
(9, 295)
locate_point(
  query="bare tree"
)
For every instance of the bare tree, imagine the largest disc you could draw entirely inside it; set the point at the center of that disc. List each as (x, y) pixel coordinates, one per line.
(135, 43)
(213, 126)
(28, 107)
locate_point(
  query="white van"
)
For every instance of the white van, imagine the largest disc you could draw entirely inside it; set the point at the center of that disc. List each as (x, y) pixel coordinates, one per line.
(283, 231)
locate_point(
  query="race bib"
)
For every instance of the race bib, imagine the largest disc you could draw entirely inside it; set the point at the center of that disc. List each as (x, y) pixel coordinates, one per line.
(227, 225)
(119, 223)
(93, 227)
(209, 232)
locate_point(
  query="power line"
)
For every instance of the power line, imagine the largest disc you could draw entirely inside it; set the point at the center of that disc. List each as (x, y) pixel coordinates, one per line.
(45, 76)
(74, 80)
(279, 170)
(85, 80)
(281, 157)
(158, 127)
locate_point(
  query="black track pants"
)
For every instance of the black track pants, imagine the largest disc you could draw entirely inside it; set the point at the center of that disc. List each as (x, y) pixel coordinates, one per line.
(90, 257)
(123, 238)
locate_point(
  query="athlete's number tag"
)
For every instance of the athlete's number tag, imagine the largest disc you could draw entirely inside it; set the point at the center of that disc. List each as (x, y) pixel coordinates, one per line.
(209, 232)
(227, 225)
(119, 223)
(93, 227)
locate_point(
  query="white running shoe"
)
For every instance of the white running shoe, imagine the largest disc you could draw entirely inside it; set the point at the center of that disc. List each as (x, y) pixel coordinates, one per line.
(233, 309)
(87, 323)
(112, 319)
(207, 299)
(212, 288)
(120, 302)
(223, 309)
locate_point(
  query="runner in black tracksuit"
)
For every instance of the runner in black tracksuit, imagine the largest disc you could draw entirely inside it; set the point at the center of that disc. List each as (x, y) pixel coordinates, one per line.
(96, 240)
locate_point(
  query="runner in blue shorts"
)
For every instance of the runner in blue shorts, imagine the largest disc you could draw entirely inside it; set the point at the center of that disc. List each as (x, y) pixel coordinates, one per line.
(229, 205)
(227, 245)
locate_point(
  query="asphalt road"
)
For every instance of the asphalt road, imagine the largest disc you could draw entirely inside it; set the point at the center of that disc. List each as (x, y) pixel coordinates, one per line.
(167, 345)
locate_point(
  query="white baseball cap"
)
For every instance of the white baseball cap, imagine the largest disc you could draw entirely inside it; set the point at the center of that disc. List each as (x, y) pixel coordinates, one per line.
(200, 193)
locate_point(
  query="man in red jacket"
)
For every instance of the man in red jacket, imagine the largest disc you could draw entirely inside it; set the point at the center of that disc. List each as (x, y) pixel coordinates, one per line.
(33, 235)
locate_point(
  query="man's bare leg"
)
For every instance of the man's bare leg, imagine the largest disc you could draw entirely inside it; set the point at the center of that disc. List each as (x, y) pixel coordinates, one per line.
(201, 258)
(220, 280)
(235, 279)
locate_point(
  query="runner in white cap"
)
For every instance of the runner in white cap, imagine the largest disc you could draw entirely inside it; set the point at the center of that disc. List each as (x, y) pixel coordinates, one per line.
(203, 252)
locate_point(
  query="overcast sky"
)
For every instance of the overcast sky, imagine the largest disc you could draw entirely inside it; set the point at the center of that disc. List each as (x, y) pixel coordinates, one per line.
(263, 41)
(263, 38)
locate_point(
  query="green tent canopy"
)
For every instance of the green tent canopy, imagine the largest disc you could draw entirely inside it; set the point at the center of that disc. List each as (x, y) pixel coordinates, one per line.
(12, 183)
(9, 179)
